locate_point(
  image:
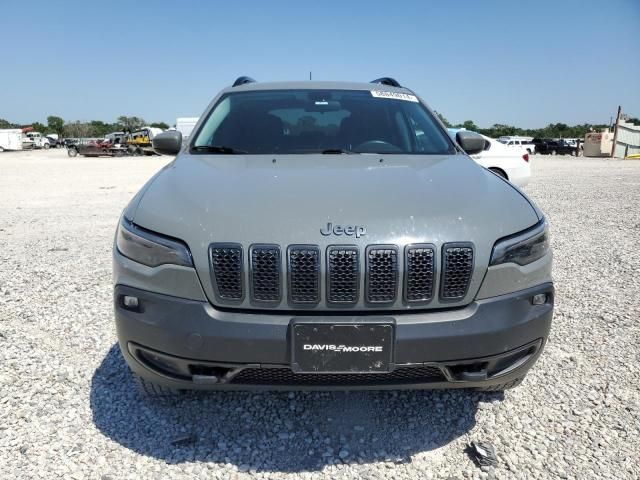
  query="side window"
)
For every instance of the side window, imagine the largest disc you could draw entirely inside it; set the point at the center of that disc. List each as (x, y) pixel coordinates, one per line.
(216, 118)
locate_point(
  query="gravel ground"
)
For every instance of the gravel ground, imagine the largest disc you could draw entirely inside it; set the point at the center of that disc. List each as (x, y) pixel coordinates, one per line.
(68, 407)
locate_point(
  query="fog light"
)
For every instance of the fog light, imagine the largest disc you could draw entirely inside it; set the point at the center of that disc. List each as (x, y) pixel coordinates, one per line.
(539, 299)
(132, 302)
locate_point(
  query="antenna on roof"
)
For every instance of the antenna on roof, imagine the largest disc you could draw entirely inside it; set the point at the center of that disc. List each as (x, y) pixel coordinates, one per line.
(392, 82)
(243, 80)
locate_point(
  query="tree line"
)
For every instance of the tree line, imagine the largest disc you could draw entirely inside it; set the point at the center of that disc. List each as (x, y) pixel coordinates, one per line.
(78, 129)
(553, 130)
(98, 128)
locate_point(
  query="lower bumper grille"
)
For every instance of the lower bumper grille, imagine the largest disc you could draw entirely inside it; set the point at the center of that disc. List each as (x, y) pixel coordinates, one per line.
(285, 376)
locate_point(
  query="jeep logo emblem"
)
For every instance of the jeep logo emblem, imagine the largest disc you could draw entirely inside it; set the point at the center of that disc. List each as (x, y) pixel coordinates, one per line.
(349, 230)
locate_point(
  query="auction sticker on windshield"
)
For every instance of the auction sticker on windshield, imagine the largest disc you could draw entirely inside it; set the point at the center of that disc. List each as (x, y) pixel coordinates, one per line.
(394, 95)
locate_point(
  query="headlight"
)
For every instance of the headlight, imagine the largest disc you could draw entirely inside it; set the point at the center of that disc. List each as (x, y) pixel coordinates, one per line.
(522, 248)
(149, 248)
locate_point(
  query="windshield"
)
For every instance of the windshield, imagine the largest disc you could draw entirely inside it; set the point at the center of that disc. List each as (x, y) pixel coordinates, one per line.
(320, 121)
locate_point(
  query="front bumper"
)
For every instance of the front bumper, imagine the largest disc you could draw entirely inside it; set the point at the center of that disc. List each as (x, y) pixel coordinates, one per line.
(192, 345)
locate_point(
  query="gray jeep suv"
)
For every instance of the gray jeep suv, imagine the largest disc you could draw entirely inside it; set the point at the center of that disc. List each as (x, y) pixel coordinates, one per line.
(329, 235)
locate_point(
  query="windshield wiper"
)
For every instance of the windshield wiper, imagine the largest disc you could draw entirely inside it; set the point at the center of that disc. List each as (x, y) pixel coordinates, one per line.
(337, 151)
(218, 149)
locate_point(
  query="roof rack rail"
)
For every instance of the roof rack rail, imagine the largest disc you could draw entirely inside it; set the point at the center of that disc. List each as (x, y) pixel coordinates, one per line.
(243, 80)
(392, 82)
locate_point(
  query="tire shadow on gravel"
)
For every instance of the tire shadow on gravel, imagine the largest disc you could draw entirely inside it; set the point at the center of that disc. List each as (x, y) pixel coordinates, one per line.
(278, 432)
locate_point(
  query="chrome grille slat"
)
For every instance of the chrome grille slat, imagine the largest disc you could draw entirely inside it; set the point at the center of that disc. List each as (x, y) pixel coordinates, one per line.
(381, 273)
(420, 269)
(227, 268)
(457, 268)
(265, 273)
(343, 274)
(304, 274)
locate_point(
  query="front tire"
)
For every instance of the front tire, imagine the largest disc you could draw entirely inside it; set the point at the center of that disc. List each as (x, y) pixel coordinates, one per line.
(47, 146)
(72, 152)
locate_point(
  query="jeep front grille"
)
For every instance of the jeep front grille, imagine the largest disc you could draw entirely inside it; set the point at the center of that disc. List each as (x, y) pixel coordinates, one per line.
(392, 277)
(457, 259)
(227, 268)
(342, 274)
(382, 274)
(265, 273)
(304, 274)
(419, 272)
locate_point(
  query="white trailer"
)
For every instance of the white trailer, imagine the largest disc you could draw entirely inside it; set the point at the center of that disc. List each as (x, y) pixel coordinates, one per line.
(185, 125)
(10, 139)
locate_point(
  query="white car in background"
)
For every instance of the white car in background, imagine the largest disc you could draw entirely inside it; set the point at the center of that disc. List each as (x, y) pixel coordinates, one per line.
(525, 143)
(509, 162)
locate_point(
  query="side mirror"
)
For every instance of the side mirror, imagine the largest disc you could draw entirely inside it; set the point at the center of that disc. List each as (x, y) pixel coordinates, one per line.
(470, 142)
(167, 143)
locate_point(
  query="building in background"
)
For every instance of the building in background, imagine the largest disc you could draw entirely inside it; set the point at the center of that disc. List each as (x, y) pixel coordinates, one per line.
(627, 139)
(598, 144)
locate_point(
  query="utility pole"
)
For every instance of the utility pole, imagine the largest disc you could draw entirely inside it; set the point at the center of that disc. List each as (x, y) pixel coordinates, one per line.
(615, 132)
(309, 74)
